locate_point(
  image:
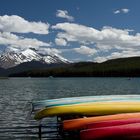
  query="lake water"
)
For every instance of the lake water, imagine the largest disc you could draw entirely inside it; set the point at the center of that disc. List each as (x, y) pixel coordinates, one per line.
(16, 93)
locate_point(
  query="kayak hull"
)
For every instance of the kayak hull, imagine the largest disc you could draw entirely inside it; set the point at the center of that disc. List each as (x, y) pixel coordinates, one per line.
(113, 132)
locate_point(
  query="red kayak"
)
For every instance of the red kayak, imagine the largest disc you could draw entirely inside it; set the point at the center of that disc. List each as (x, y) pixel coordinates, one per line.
(80, 123)
(112, 123)
(123, 132)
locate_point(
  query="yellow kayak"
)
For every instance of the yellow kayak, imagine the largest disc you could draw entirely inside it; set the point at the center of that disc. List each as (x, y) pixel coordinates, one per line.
(90, 109)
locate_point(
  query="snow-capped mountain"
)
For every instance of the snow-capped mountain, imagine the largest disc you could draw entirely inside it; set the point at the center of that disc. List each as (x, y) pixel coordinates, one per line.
(10, 59)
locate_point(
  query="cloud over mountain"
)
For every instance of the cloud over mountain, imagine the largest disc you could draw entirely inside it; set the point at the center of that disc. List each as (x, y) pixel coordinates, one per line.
(85, 50)
(18, 42)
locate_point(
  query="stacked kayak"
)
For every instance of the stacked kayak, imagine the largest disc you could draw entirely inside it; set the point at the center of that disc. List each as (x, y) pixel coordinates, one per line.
(100, 117)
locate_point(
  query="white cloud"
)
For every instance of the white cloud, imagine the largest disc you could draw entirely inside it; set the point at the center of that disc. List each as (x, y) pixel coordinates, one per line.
(18, 24)
(123, 11)
(19, 42)
(60, 42)
(106, 40)
(117, 12)
(85, 50)
(75, 32)
(64, 14)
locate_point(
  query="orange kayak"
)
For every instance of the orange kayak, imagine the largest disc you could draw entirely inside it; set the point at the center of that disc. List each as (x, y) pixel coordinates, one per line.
(77, 124)
(123, 132)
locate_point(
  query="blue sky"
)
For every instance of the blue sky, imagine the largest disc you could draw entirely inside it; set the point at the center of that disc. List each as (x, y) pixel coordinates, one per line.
(79, 30)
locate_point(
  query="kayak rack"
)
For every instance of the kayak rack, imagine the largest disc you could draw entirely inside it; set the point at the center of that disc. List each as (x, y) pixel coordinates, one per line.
(28, 132)
(48, 128)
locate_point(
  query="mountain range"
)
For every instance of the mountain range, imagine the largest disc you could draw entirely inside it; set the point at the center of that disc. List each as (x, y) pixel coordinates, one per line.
(9, 59)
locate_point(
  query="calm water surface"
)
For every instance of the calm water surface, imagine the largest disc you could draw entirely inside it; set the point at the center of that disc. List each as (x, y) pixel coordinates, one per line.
(16, 93)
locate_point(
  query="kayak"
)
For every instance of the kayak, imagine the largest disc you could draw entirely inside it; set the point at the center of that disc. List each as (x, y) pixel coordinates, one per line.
(90, 109)
(112, 123)
(76, 100)
(112, 132)
(81, 123)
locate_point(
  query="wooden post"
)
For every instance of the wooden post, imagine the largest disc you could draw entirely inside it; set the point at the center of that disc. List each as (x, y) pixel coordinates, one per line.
(32, 107)
(39, 132)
